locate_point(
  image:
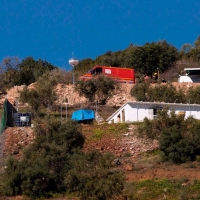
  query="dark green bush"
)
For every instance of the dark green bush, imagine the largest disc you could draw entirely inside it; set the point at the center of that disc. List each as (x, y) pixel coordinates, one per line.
(179, 138)
(42, 96)
(166, 93)
(97, 88)
(194, 95)
(92, 178)
(140, 91)
(175, 146)
(160, 93)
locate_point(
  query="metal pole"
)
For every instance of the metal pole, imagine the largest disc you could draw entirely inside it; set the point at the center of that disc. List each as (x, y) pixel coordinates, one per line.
(0, 126)
(73, 74)
(66, 111)
(61, 111)
(17, 103)
(189, 107)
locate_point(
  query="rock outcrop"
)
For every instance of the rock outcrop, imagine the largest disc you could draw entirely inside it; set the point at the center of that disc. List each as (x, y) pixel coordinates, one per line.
(67, 93)
(14, 139)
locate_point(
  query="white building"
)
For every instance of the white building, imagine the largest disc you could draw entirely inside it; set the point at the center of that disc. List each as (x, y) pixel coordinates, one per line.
(137, 111)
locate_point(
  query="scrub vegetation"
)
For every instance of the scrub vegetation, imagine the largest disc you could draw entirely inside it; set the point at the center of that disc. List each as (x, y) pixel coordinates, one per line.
(54, 163)
(178, 137)
(165, 93)
(99, 89)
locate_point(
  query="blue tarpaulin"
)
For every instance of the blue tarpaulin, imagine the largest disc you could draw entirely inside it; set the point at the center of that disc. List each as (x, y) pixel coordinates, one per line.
(83, 114)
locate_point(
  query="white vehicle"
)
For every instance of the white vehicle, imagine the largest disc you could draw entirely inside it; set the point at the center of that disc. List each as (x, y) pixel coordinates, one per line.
(189, 79)
(192, 76)
(184, 79)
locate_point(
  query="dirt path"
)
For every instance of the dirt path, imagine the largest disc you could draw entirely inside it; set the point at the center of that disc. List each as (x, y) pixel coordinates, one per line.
(190, 172)
(2, 143)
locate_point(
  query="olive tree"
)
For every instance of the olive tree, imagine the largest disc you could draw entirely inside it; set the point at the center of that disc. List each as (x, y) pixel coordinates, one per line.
(97, 88)
(178, 137)
(42, 95)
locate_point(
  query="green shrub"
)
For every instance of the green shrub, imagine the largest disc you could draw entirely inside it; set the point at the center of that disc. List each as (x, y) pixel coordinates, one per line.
(194, 95)
(160, 93)
(42, 96)
(178, 137)
(97, 88)
(198, 158)
(139, 91)
(166, 93)
(92, 178)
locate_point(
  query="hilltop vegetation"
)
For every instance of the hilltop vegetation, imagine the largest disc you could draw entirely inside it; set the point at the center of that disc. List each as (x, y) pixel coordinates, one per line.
(146, 60)
(170, 93)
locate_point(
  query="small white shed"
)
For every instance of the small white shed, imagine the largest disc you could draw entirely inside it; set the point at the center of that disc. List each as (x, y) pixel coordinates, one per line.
(138, 110)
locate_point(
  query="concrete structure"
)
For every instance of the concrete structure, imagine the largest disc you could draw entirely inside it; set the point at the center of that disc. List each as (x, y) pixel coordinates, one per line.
(137, 111)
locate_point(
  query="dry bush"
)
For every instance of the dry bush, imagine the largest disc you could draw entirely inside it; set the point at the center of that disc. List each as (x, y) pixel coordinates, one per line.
(173, 73)
(62, 76)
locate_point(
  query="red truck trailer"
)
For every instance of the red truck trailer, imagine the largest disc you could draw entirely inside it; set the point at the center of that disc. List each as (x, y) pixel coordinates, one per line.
(118, 73)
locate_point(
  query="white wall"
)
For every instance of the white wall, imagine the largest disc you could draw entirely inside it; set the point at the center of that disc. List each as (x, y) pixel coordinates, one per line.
(189, 110)
(137, 111)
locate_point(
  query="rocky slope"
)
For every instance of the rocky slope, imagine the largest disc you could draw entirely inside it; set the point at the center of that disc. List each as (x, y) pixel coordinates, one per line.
(68, 92)
(64, 92)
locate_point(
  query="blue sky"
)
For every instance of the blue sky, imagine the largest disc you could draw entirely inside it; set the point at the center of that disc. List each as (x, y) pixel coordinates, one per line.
(53, 29)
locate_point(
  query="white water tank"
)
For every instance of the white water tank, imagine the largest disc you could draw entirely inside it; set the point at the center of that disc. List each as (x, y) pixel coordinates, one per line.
(73, 61)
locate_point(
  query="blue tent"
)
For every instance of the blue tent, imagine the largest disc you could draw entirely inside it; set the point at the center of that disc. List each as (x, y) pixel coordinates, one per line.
(83, 114)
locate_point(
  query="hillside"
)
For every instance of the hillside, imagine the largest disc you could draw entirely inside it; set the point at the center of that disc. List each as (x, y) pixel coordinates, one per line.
(126, 146)
(67, 91)
(111, 144)
(131, 150)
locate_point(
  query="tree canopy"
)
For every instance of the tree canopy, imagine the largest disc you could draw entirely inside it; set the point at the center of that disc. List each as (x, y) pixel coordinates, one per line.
(30, 70)
(42, 95)
(144, 59)
(97, 88)
(166, 93)
(15, 72)
(191, 51)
